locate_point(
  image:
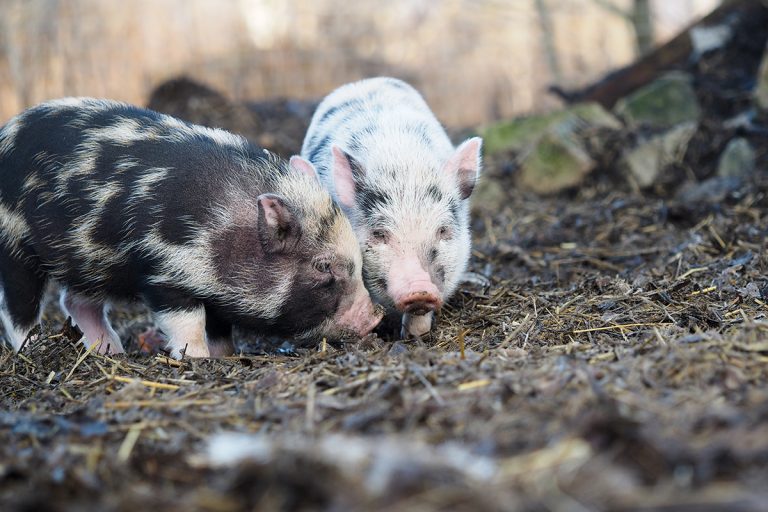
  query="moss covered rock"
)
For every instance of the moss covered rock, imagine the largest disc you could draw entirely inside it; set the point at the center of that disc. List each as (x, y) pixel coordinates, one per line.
(556, 162)
(550, 149)
(522, 133)
(668, 101)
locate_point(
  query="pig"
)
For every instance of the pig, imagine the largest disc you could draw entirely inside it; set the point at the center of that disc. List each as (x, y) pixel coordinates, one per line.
(390, 165)
(117, 203)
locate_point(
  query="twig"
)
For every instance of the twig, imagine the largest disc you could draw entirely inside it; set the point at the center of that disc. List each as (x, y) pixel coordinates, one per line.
(124, 453)
(148, 383)
(81, 359)
(622, 326)
(159, 403)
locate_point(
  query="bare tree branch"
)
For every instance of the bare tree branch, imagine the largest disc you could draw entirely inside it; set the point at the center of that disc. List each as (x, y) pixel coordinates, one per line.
(642, 21)
(548, 40)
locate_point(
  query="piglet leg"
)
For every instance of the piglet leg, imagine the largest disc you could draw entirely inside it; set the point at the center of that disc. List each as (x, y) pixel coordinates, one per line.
(219, 334)
(91, 318)
(416, 326)
(185, 330)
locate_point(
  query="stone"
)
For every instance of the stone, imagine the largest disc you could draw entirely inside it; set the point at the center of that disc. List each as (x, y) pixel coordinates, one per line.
(521, 133)
(761, 91)
(668, 101)
(646, 160)
(489, 195)
(550, 151)
(737, 159)
(555, 163)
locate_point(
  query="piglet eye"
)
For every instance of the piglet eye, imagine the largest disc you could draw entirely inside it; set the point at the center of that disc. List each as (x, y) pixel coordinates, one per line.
(444, 232)
(379, 235)
(322, 266)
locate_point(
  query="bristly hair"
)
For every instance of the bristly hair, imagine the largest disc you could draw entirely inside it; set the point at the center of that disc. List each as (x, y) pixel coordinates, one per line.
(388, 131)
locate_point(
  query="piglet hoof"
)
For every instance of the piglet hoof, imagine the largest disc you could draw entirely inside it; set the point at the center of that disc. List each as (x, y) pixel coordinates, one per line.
(29, 339)
(187, 351)
(110, 347)
(416, 326)
(197, 351)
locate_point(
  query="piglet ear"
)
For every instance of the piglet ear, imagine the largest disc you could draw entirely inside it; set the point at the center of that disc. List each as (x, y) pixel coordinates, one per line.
(303, 166)
(345, 170)
(277, 225)
(465, 164)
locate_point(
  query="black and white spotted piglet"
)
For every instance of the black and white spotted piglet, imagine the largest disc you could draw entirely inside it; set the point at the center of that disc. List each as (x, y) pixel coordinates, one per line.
(406, 189)
(117, 203)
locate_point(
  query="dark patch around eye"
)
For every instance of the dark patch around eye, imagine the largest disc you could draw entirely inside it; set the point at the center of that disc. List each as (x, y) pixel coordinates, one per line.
(440, 271)
(323, 266)
(432, 255)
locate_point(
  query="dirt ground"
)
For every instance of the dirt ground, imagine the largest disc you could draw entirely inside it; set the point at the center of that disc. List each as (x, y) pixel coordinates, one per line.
(616, 359)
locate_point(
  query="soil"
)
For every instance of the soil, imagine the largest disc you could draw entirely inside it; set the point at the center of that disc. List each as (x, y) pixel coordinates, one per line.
(616, 359)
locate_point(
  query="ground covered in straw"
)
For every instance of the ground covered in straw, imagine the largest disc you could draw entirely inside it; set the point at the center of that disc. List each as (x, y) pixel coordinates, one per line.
(617, 358)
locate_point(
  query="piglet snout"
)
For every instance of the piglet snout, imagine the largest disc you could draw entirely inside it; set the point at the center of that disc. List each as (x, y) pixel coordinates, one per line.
(419, 303)
(361, 317)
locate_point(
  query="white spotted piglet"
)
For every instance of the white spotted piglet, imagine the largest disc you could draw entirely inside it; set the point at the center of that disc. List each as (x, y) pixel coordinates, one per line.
(405, 188)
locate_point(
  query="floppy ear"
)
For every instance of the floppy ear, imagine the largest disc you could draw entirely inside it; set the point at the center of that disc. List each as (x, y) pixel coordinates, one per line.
(277, 225)
(303, 166)
(465, 164)
(345, 170)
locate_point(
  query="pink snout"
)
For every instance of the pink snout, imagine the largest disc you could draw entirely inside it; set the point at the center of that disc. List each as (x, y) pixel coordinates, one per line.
(411, 287)
(361, 317)
(420, 299)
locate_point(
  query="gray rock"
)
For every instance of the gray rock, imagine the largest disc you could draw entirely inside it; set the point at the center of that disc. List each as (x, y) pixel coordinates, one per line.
(489, 196)
(550, 149)
(646, 160)
(761, 91)
(738, 159)
(708, 192)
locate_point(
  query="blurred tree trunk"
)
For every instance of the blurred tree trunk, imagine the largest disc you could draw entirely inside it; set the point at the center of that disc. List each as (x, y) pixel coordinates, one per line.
(642, 21)
(672, 55)
(548, 40)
